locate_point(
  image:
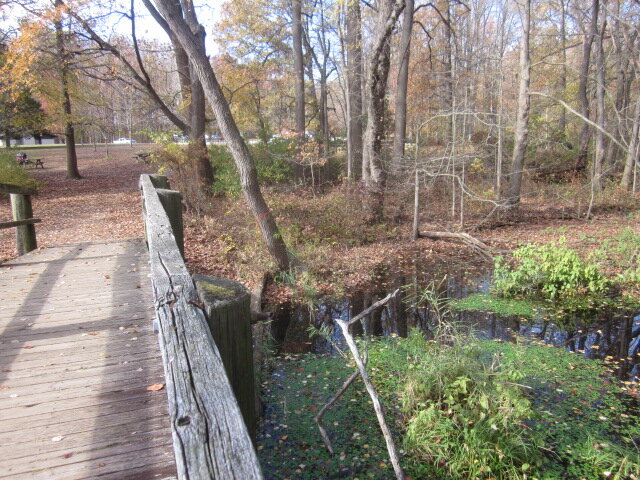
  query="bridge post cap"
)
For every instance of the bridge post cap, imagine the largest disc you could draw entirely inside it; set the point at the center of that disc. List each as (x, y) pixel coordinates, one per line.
(217, 291)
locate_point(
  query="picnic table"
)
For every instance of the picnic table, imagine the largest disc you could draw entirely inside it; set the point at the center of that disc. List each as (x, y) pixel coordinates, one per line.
(23, 160)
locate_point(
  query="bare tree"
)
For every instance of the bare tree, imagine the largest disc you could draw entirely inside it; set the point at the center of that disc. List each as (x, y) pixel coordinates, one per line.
(298, 69)
(598, 159)
(587, 43)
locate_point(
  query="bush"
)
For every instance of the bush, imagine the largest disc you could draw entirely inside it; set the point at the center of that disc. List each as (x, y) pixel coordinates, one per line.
(273, 164)
(551, 272)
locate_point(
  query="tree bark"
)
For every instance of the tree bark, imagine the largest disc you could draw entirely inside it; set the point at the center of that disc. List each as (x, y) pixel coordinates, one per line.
(524, 102)
(354, 87)
(448, 72)
(193, 98)
(244, 163)
(403, 83)
(69, 131)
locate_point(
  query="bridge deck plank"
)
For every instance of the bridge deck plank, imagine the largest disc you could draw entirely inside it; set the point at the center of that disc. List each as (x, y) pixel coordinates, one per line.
(77, 353)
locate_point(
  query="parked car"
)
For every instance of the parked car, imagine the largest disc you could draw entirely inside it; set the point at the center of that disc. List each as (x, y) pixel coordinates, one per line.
(124, 140)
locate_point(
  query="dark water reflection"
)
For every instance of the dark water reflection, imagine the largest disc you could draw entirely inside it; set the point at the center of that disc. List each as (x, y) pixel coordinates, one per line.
(611, 334)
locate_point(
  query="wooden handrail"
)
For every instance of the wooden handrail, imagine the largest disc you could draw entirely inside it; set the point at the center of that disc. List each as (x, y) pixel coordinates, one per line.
(210, 438)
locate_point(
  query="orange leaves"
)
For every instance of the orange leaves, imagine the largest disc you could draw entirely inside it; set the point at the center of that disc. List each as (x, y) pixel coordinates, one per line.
(155, 387)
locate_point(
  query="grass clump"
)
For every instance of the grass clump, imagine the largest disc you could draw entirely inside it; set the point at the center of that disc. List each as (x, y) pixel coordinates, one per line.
(464, 412)
(14, 174)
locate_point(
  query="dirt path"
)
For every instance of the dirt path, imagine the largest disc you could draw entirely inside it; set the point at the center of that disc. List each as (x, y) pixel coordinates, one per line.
(104, 205)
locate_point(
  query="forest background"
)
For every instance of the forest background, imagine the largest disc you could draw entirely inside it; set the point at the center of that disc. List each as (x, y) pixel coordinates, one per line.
(481, 114)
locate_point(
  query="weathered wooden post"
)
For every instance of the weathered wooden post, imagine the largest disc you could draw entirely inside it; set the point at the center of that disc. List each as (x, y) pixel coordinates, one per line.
(227, 308)
(25, 234)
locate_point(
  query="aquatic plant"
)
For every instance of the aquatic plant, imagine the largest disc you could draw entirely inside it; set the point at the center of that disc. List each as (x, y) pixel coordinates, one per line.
(548, 272)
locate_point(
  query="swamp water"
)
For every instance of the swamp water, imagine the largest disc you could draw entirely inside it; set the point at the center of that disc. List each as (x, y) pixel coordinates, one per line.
(607, 332)
(582, 406)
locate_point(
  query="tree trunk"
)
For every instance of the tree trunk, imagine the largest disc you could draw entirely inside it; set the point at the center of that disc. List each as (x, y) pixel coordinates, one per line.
(598, 160)
(403, 82)
(624, 79)
(193, 101)
(377, 76)
(585, 132)
(562, 122)
(522, 120)
(69, 132)
(244, 163)
(298, 69)
(448, 72)
(374, 134)
(631, 158)
(354, 86)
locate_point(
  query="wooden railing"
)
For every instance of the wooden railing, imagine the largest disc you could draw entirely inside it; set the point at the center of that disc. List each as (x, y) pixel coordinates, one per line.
(23, 220)
(210, 438)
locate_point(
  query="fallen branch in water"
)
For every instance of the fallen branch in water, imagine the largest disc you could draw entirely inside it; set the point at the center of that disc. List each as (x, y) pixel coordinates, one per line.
(362, 372)
(318, 418)
(476, 245)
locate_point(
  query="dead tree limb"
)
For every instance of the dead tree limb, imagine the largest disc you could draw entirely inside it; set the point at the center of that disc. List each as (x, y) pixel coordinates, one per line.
(377, 405)
(318, 418)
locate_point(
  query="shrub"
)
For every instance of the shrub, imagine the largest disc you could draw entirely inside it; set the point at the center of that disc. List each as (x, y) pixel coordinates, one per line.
(549, 271)
(273, 164)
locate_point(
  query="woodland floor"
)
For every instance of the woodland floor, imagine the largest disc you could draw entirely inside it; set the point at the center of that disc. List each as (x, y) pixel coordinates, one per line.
(105, 205)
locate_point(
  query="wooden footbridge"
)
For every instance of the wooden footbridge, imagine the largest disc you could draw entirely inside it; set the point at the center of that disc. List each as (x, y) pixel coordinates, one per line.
(88, 389)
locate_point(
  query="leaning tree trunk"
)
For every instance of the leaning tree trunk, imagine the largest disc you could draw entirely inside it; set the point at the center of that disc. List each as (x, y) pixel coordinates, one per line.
(69, 131)
(193, 100)
(522, 119)
(354, 86)
(235, 143)
(403, 82)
